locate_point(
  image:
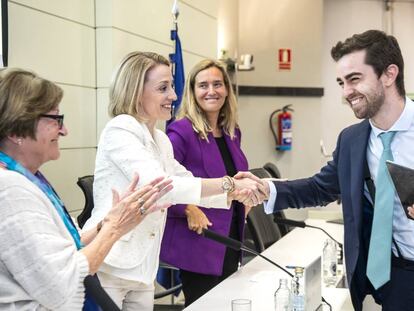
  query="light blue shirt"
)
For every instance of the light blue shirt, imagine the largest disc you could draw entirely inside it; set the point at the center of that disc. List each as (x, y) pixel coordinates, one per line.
(402, 148)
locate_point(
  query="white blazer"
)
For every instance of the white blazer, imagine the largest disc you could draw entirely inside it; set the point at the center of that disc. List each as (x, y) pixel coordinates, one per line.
(126, 146)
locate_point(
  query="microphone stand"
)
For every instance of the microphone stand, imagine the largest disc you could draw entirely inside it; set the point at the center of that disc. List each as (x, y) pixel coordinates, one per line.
(302, 224)
(249, 250)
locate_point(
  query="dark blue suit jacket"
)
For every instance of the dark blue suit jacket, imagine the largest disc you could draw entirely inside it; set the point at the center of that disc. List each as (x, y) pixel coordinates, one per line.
(342, 177)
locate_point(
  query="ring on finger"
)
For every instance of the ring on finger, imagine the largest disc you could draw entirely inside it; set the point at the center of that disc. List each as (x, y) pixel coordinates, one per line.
(142, 210)
(140, 202)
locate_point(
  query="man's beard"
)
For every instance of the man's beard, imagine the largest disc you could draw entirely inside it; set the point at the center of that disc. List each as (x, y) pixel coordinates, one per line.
(373, 104)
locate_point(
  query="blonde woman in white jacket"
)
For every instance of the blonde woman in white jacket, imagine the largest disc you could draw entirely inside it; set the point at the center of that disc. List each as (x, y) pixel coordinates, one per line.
(141, 94)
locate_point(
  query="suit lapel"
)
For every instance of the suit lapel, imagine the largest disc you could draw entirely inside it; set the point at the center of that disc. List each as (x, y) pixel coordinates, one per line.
(358, 153)
(212, 160)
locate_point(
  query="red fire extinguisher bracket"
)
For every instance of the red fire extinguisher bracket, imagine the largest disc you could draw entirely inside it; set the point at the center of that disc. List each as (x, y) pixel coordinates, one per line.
(281, 128)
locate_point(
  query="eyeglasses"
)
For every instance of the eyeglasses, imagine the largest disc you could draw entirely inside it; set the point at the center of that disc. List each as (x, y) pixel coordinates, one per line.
(57, 117)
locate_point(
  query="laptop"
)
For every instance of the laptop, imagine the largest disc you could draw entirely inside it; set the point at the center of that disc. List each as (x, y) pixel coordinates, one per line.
(313, 290)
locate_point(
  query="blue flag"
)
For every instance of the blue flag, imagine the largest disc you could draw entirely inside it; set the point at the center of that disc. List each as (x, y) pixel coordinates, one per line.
(168, 277)
(178, 71)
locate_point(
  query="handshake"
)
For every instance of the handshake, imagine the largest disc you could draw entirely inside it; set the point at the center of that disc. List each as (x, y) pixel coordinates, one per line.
(248, 189)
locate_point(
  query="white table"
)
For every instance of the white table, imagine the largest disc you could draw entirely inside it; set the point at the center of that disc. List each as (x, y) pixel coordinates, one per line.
(258, 279)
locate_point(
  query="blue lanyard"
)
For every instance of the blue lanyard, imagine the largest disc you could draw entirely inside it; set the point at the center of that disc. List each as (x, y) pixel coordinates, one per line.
(41, 182)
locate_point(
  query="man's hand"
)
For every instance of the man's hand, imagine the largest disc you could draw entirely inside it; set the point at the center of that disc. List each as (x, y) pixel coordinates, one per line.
(251, 196)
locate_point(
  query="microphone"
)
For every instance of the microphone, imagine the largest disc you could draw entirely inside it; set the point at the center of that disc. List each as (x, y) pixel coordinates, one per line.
(302, 224)
(237, 245)
(95, 290)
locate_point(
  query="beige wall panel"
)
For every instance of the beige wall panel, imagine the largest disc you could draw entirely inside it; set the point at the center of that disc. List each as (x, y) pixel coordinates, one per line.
(113, 45)
(209, 7)
(59, 50)
(64, 173)
(153, 19)
(269, 25)
(150, 19)
(228, 29)
(404, 31)
(81, 11)
(198, 32)
(102, 110)
(79, 107)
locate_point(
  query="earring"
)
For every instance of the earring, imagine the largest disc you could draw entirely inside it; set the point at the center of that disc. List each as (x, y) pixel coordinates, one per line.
(19, 141)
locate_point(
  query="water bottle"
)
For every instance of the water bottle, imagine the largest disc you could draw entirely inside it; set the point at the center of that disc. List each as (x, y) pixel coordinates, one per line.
(298, 290)
(330, 262)
(282, 296)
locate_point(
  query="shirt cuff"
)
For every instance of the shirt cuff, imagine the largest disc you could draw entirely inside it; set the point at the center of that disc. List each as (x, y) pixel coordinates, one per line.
(270, 203)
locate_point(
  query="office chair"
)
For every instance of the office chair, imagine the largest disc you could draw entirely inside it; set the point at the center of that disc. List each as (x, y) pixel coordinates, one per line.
(263, 229)
(275, 173)
(272, 169)
(86, 185)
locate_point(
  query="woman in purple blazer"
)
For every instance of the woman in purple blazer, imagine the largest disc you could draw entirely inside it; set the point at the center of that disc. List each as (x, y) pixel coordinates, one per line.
(206, 140)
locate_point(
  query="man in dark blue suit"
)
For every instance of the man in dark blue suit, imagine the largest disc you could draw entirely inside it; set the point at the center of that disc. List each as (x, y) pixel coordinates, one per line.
(370, 72)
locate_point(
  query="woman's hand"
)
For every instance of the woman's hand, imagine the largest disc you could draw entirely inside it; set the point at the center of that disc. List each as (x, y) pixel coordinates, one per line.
(127, 211)
(130, 208)
(249, 189)
(197, 220)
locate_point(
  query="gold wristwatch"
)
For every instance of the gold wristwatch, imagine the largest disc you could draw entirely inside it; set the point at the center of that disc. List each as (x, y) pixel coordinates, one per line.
(227, 184)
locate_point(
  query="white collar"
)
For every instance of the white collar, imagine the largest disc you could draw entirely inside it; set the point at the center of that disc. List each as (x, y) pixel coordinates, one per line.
(403, 123)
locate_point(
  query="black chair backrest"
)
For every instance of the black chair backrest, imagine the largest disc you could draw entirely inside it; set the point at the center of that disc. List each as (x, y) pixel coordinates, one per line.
(264, 231)
(86, 185)
(272, 169)
(275, 173)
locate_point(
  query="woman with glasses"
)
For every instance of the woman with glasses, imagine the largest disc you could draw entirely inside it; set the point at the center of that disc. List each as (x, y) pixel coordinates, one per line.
(43, 259)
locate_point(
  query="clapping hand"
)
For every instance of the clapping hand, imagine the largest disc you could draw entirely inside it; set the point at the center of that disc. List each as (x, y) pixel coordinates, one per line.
(130, 208)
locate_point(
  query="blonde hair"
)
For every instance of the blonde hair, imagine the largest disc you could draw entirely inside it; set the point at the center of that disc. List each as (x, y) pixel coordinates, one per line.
(24, 97)
(191, 109)
(125, 91)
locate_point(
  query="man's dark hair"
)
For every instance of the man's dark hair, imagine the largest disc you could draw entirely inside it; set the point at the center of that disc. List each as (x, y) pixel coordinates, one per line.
(381, 49)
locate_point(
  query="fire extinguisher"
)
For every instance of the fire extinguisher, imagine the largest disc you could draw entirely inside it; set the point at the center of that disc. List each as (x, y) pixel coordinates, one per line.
(282, 128)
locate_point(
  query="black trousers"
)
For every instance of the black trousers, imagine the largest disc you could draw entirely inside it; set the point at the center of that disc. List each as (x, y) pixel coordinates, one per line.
(196, 285)
(396, 295)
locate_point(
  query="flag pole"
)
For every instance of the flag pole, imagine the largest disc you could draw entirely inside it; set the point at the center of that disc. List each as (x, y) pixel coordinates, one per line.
(175, 12)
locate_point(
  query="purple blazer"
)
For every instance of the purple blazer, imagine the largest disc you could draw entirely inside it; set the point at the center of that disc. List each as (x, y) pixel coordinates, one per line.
(181, 247)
